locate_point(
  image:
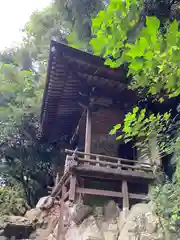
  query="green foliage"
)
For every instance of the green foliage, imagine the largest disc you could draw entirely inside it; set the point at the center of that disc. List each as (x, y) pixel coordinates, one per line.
(77, 16)
(150, 51)
(12, 201)
(57, 21)
(41, 27)
(20, 95)
(138, 124)
(111, 28)
(153, 57)
(166, 199)
(26, 160)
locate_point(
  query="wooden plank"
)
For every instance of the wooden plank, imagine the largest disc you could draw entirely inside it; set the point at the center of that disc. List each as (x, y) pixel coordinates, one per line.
(60, 231)
(98, 192)
(107, 193)
(67, 181)
(88, 131)
(125, 198)
(72, 190)
(121, 174)
(58, 187)
(137, 196)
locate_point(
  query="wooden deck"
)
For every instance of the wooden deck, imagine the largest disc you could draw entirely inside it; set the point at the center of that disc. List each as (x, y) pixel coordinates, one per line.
(82, 169)
(99, 167)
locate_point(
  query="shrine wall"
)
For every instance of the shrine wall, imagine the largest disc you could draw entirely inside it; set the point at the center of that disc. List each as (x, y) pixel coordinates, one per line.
(102, 123)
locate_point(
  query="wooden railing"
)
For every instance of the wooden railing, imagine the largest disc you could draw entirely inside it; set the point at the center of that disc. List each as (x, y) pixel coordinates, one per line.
(76, 158)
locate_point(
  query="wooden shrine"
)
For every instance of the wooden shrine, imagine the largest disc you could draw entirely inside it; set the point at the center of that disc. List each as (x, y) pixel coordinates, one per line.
(83, 99)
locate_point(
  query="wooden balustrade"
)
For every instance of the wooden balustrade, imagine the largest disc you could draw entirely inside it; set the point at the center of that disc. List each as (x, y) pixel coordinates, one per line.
(78, 158)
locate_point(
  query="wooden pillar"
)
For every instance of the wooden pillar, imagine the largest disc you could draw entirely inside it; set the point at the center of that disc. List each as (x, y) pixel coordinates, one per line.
(72, 189)
(125, 198)
(60, 230)
(88, 131)
(155, 155)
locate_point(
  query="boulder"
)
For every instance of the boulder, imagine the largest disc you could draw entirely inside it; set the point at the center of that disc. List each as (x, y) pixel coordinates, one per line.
(45, 202)
(112, 231)
(89, 230)
(111, 211)
(17, 227)
(141, 223)
(78, 212)
(33, 214)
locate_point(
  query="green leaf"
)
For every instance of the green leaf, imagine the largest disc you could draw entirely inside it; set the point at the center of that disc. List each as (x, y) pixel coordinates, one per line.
(148, 54)
(161, 100)
(98, 45)
(136, 65)
(119, 137)
(152, 24)
(115, 129)
(167, 116)
(135, 109)
(172, 34)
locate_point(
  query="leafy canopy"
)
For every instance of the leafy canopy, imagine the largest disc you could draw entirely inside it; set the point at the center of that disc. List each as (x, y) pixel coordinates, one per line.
(138, 123)
(153, 57)
(20, 95)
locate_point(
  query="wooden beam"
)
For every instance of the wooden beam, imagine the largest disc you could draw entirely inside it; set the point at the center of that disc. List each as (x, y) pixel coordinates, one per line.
(107, 193)
(58, 187)
(60, 231)
(125, 198)
(119, 173)
(99, 192)
(88, 131)
(138, 196)
(72, 190)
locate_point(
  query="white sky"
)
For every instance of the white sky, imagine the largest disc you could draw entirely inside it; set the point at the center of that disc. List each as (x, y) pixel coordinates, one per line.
(13, 16)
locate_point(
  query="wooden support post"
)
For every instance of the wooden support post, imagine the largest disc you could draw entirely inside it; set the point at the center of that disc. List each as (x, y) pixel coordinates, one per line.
(88, 132)
(125, 198)
(72, 189)
(60, 231)
(57, 179)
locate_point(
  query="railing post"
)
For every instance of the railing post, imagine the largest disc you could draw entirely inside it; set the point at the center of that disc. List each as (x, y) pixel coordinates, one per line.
(88, 132)
(119, 164)
(97, 159)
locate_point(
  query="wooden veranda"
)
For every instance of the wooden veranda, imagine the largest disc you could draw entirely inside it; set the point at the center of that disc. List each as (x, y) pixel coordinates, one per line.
(82, 168)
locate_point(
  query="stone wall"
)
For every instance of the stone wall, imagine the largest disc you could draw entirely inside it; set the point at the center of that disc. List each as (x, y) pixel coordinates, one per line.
(104, 223)
(81, 222)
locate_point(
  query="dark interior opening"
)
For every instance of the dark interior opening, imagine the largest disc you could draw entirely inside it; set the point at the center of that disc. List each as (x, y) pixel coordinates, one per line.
(127, 151)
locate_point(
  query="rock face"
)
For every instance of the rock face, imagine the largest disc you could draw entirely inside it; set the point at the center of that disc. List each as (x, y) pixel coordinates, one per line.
(108, 223)
(17, 227)
(83, 222)
(141, 223)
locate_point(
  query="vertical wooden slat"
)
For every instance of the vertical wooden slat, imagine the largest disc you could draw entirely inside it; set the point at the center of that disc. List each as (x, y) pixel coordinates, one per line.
(57, 179)
(72, 190)
(125, 198)
(88, 132)
(60, 231)
(119, 164)
(97, 159)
